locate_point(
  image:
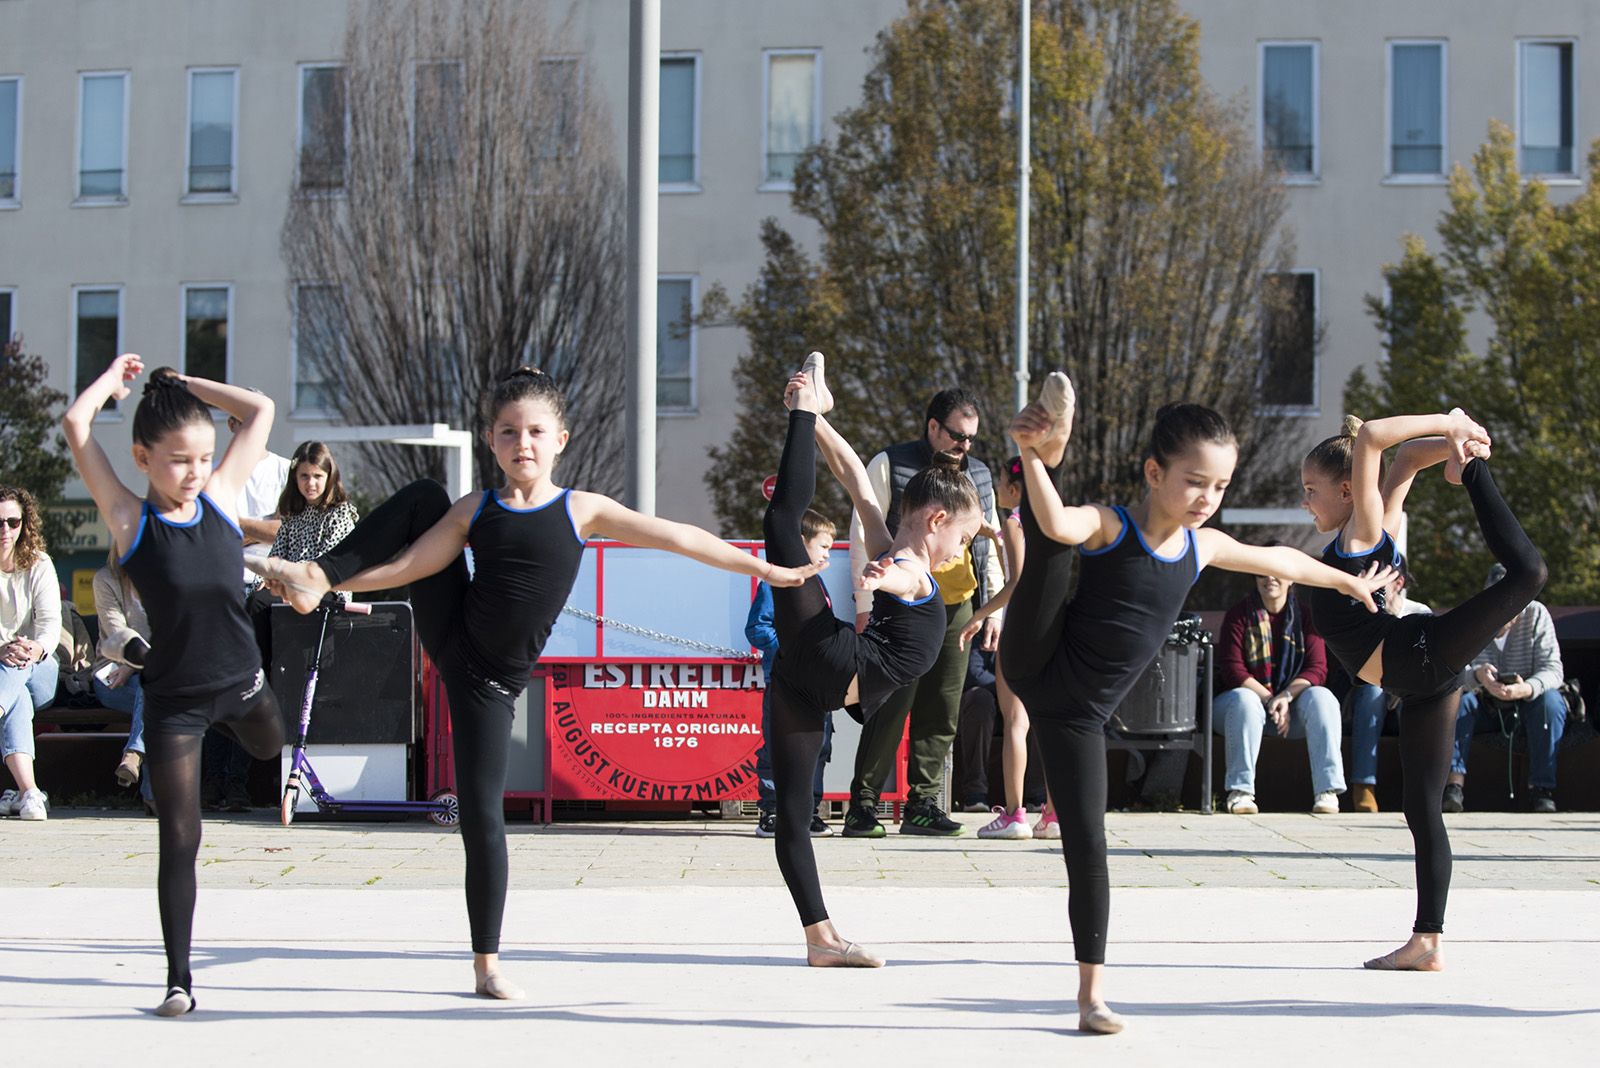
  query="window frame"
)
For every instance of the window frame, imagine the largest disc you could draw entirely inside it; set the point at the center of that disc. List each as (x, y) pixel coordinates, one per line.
(14, 201)
(300, 188)
(5, 337)
(295, 410)
(1314, 176)
(99, 200)
(1575, 175)
(113, 414)
(231, 195)
(693, 184)
(1442, 176)
(183, 324)
(1314, 408)
(784, 185)
(692, 409)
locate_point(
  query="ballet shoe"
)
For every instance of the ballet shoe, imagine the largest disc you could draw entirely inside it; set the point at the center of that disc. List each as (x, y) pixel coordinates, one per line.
(495, 985)
(1100, 1020)
(1423, 962)
(815, 370)
(851, 956)
(179, 1002)
(1057, 395)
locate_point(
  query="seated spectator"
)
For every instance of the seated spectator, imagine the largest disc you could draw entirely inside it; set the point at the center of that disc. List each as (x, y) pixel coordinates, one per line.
(1271, 665)
(124, 644)
(30, 629)
(1370, 706)
(1517, 678)
(818, 531)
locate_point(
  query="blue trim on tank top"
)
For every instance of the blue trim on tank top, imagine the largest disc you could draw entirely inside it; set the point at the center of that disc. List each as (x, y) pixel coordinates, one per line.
(525, 511)
(571, 521)
(199, 514)
(488, 494)
(222, 515)
(138, 535)
(902, 600)
(565, 495)
(1334, 544)
(1123, 533)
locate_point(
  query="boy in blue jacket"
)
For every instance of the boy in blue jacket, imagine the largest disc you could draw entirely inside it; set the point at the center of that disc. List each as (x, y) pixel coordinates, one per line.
(818, 532)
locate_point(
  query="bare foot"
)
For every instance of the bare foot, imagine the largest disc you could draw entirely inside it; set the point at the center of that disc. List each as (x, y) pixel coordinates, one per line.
(814, 370)
(1421, 953)
(799, 395)
(1476, 450)
(303, 584)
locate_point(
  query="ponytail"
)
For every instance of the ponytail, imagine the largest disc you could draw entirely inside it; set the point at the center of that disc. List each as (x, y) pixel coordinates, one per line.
(1334, 456)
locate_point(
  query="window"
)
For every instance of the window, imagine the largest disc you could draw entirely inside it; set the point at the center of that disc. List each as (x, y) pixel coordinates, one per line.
(680, 121)
(560, 97)
(1416, 108)
(1288, 128)
(1546, 120)
(102, 136)
(97, 332)
(8, 316)
(207, 310)
(793, 106)
(1289, 340)
(10, 137)
(322, 128)
(316, 347)
(675, 344)
(438, 102)
(213, 100)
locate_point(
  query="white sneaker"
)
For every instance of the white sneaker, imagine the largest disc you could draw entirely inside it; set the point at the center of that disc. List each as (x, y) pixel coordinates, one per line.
(1325, 803)
(8, 803)
(1012, 826)
(32, 805)
(1242, 803)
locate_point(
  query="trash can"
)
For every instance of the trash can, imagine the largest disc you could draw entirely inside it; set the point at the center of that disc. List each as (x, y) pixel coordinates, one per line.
(1165, 699)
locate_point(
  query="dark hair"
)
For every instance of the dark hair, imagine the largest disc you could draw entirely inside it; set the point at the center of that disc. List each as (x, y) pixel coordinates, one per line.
(1180, 427)
(291, 501)
(1013, 472)
(167, 405)
(523, 383)
(1333, 456)
(942, 484)
(29, 547)
(948, 401)
(813, 523)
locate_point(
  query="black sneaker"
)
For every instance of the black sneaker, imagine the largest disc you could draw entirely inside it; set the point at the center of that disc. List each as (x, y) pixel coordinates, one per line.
(1454, 798)
(1543, 802)
(820, 828)
(767, 825)
(862, 822)
(923, 817)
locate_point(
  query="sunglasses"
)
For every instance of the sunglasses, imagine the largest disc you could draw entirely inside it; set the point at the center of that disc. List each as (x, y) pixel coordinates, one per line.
(959, 439)
(12, 521)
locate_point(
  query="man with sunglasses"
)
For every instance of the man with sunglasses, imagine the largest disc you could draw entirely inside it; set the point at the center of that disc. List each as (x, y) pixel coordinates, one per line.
(934, 701)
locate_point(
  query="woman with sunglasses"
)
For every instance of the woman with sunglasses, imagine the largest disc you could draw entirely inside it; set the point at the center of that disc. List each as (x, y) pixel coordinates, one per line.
(30, 624)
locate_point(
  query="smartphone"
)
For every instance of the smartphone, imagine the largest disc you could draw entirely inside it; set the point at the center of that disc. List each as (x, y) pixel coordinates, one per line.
(105, 671)
(1510, 678)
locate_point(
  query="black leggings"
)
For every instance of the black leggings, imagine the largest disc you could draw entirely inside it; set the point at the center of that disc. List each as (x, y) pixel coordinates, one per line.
(172, 762)
(798, 613)
(1074, 750)
(481, 712)
(1422, 660)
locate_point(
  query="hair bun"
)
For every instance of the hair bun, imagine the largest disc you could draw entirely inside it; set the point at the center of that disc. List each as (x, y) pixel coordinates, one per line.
(1350, 426)
(163, 378)
(525, 371)
(948, 462)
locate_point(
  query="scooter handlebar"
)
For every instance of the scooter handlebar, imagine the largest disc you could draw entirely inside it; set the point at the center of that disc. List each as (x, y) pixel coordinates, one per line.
(357, 608)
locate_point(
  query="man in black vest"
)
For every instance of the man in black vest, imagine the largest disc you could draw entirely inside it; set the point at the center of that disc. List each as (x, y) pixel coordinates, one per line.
(934, 701)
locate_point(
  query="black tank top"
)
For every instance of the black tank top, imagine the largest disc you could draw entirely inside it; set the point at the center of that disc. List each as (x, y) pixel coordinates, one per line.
(524, 564)
(1127, 601)
(900, 643)
(188, 578)
(1346, 626)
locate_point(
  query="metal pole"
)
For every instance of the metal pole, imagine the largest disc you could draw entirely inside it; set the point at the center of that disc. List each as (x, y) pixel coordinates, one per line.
(1024, 124)
(644, 126)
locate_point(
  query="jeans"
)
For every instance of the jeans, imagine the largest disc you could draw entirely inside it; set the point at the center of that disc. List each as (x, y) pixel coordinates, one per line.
(1544, 720)
(1240, 717)
(1369, 706)
(129, 698)
(22, 692)
(766, 792)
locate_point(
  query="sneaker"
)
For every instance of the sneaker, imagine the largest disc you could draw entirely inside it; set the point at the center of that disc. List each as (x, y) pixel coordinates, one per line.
(32, 805)
(862, 822)
(1048, 827)
(1325, 803)
(1543, 801)
(1012, 826)
(8, 803)
(922, 816)
(767, 825)
(819, 827)
(1242, 803)
(1454, 798)
(975, 805)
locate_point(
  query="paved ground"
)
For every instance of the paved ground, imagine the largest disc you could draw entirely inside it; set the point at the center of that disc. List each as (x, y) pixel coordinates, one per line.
(674, 942)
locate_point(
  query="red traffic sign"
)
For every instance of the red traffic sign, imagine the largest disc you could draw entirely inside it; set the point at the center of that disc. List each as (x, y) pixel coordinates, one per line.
(769, 485)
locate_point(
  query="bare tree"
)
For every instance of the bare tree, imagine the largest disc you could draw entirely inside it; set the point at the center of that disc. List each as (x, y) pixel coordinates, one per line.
(457, 213)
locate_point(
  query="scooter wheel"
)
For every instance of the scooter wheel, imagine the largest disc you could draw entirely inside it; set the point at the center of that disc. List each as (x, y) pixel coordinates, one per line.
(286, 807)
(450, 814)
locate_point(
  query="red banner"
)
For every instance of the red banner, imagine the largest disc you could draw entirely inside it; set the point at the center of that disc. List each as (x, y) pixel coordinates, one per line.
(654, 732)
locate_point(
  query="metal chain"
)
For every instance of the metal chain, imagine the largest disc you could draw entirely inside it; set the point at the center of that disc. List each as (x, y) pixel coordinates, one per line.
(660, 636)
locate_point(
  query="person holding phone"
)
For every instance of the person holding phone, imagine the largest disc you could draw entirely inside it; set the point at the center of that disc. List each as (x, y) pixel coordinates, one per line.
(1514, 684)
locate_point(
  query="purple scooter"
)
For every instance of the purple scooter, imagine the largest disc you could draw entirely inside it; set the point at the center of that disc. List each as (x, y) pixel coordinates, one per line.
(443, 808)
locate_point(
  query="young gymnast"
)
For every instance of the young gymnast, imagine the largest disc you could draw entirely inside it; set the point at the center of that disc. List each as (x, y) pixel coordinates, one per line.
(1072, 662)
(823, 663)
(181, 547)
(1420, 657)
(486, 629)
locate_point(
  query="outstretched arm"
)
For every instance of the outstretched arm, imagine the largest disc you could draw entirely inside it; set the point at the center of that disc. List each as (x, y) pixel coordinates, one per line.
(430, 554)
(1375, 436)
(118, 505)
(255, 411)
(852, 475)
(598, 514)
(1220, 550)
